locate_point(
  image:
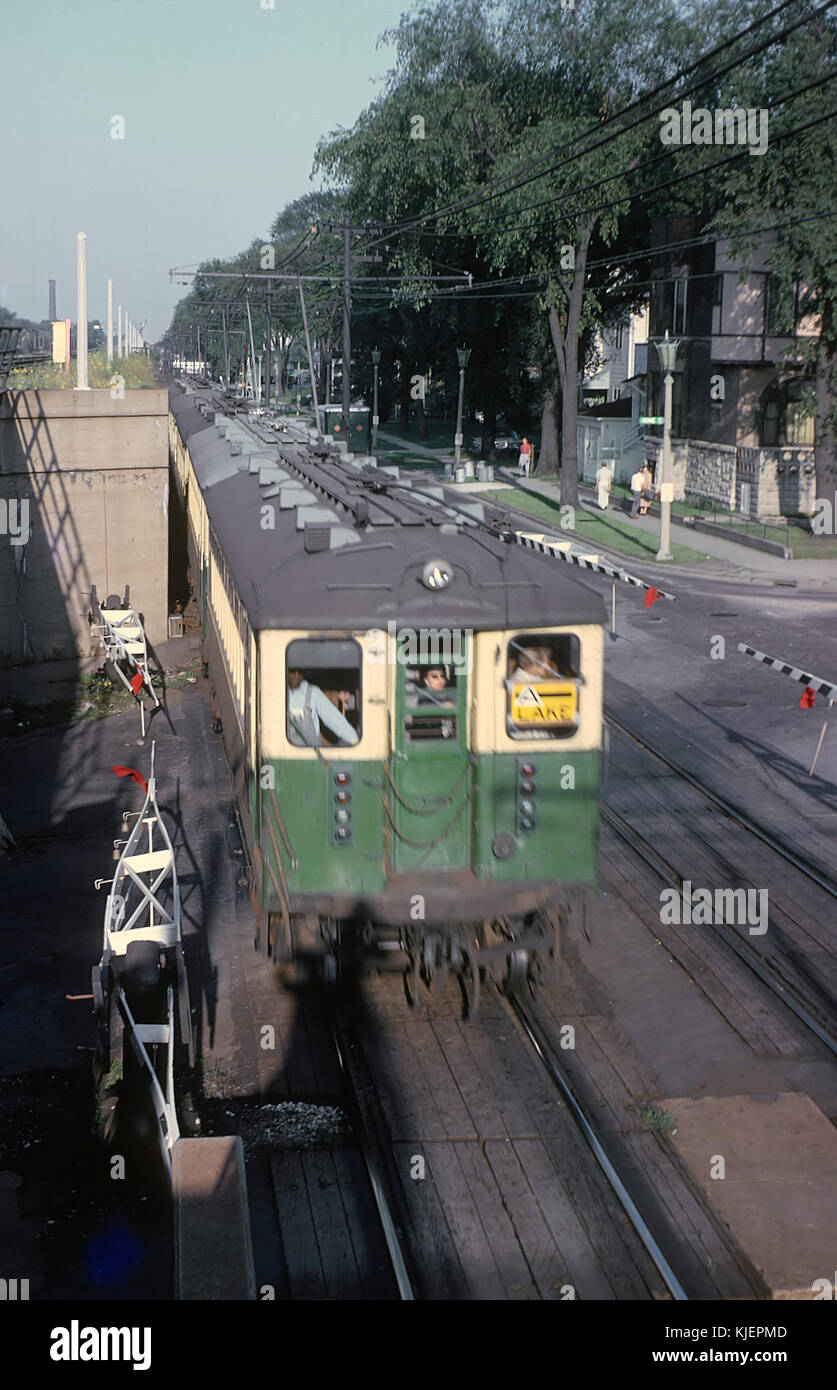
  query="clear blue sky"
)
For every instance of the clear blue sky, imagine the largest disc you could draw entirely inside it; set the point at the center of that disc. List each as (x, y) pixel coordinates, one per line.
(223, 104)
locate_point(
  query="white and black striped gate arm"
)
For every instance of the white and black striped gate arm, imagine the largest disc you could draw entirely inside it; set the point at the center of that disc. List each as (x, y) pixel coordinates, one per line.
(806, 678)
(562, 550)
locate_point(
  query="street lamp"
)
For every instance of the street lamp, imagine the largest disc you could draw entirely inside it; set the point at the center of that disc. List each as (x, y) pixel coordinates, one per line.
(667, 352)
(376, 362)
(462, 354)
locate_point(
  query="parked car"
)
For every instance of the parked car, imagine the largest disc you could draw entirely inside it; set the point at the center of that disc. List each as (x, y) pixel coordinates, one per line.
(509, 441)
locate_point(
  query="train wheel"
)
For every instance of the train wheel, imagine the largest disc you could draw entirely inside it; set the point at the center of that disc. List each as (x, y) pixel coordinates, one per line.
(470, 984)
(517, 971)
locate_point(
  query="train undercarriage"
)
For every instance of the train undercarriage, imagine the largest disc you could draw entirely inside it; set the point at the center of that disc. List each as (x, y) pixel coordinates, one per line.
(510, 953)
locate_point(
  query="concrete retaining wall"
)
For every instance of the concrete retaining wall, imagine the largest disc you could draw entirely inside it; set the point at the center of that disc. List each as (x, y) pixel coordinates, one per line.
(89, 476)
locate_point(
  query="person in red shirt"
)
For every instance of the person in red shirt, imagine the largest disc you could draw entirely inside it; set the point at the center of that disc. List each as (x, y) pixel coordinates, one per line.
(525, 459)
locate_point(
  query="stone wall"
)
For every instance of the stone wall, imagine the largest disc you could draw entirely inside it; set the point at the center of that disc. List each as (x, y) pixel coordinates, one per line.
(89, 475)
(781, 481)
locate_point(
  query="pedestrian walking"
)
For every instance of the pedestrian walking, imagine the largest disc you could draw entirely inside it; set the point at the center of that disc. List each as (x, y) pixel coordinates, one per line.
(603, 486)
(525, 459)
(647, 489)
(636, 491)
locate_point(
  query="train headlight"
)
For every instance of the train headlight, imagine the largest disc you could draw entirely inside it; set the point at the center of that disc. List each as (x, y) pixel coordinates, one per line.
(437, 574)
(342, 817)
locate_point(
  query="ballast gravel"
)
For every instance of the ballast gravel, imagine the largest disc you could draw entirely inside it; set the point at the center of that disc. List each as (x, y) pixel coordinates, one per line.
(293, 1124)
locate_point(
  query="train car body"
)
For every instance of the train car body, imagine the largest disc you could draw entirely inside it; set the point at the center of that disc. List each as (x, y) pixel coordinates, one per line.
(411, 706)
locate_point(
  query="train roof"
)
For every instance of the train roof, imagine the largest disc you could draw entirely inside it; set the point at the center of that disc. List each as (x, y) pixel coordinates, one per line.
(317, 538)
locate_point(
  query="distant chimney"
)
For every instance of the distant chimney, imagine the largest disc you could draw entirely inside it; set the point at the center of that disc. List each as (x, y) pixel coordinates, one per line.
(52, 313)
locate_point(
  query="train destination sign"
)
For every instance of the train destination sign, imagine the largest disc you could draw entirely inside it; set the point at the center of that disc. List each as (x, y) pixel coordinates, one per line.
(548, 702)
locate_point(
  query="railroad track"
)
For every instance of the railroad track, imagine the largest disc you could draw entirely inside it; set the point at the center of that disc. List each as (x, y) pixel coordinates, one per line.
(546, 1054)
(319, 1193)
(368, 1132)
(789, 960)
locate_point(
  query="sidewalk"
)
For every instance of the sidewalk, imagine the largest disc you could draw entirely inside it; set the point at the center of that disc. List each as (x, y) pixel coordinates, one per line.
(715, 547)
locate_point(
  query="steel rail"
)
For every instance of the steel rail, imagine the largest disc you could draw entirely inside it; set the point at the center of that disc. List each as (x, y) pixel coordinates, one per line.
(736, 944)
(543, 1049)
(388, 1226)
(733, 812)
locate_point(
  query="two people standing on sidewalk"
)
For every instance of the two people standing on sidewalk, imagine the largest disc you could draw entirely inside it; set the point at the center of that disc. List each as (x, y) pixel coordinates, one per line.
(642, 489)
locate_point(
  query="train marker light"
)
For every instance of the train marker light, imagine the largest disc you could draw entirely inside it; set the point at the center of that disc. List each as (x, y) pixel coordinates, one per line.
(528, 769)
(342, 797)
(342, 778)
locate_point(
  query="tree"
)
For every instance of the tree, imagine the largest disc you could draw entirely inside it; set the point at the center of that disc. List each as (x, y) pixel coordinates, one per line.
(793, 189)
(509, 161)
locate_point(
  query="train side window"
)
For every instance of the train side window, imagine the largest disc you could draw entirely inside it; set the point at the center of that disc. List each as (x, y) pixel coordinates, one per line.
(431, 697)
(323, 692)
(542, 685)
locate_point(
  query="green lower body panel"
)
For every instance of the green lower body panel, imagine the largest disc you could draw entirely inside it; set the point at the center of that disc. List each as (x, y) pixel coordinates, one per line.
(530, 831)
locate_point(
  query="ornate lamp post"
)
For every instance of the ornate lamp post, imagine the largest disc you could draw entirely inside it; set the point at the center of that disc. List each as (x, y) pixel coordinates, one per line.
(376, 362)
(462, 354)
(667, 352)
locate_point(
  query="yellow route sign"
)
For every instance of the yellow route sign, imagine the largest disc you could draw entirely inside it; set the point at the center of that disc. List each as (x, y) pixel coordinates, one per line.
(546, 703)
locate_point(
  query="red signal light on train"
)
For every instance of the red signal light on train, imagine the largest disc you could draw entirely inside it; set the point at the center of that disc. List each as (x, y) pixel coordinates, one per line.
(342, 778)
(528, 769)
(342, 797)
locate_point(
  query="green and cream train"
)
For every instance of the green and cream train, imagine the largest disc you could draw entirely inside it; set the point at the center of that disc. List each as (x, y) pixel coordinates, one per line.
(411, 706)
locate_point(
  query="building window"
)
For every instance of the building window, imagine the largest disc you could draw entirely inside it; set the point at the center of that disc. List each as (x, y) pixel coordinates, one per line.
(781, 307)
(799, 427)
(679, 315)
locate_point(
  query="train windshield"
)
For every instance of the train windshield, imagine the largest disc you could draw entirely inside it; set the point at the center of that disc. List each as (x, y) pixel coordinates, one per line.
(542, 685)
(431, 697)
(323, 693)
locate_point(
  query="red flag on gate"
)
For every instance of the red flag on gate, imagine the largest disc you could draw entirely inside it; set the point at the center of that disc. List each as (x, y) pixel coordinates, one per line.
(652, 596)
(809, 695)
(136, 683)
(130, 772)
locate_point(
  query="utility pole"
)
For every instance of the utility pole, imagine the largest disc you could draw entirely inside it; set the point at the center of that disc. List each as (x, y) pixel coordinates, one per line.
(310, 360)
(81, 312)
(267, 349)
(347, 335)
(252, 345)
(110, 323)
(226, 349)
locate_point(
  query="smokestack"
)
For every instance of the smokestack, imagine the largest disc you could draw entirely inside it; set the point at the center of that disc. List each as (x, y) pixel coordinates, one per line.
(52, 314)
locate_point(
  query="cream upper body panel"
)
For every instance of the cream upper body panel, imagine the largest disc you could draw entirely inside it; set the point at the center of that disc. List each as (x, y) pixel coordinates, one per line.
(375, 698)
(489, 733)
